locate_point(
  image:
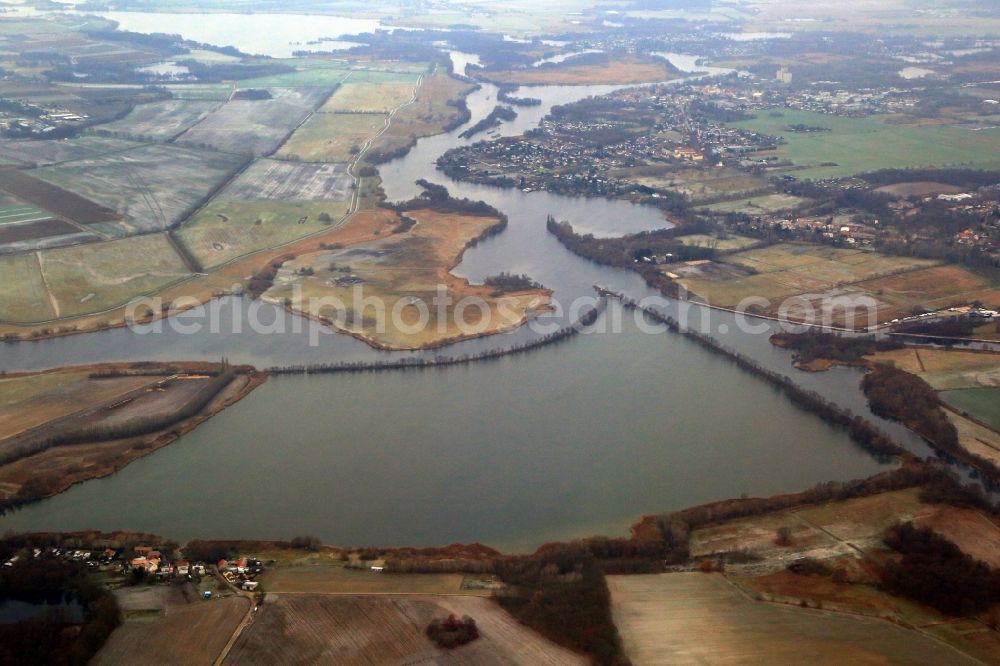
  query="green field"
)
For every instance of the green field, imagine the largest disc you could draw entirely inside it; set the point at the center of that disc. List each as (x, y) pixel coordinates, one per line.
(201, 91)
(22, 213)
(369, 98)
(23, 297)
(332, 137)
(768, 203)
(326, 73)
(92, 278)
(857, 145)
(982, 404)
(721, 243)
(226, 230)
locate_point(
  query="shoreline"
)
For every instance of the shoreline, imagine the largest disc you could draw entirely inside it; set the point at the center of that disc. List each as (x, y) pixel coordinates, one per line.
(140, 446)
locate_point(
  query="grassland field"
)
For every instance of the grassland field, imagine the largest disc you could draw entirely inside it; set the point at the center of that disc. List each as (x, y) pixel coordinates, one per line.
(781, 271)
(432, 111)
(621, 70)
(857, 145)
(369, 98)
(724, 243)
(227, 229)
(271, 204)
(219, 92)
(982, 403)
(332, 137)
(699, 185)
(321, 73)
(99, 276)
(760, 205)
(25, 297)
(398, 270)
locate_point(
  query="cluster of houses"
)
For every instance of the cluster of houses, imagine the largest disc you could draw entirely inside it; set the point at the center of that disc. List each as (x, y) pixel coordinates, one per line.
(93, 558)
(241, 572)
(152, 562)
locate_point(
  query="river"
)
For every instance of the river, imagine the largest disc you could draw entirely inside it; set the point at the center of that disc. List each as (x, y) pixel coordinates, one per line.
(571, 440)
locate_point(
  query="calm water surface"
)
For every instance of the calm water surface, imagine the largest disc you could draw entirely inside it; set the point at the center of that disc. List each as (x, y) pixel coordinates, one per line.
(576, 439)
(571, 440)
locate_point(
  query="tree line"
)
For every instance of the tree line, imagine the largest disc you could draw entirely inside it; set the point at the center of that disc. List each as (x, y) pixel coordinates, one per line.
(902, 396)
(589, 316)
(816, 345)
(862, 431)
(136, 427)
(936, 572)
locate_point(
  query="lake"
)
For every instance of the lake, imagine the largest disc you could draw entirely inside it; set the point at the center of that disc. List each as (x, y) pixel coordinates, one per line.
(576, 439)
(571, 440)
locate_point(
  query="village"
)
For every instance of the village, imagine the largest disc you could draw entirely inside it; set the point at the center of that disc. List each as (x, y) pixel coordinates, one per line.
(143, 564)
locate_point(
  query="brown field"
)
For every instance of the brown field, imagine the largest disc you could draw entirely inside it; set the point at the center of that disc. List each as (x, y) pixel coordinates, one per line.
(174, 632)
(30, 400)
(11, 233)
(62, 203)
(369, 97)
(429, 114)
(863, 599)
(814, 275)
(946, 369)
(332, 137)
(385, 629)
(975, 438)
(990, 331)
(970, 530)
(701, 186)
(337, 579)
(825, 531)
(59, 403)
(663, 619)
(622, 70)
(918, 189)
(398, 271)
(934, 288)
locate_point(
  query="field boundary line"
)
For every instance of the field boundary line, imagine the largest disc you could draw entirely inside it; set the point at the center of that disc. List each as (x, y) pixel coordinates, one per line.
(53, 301)
(857, 615)
(352, 210)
